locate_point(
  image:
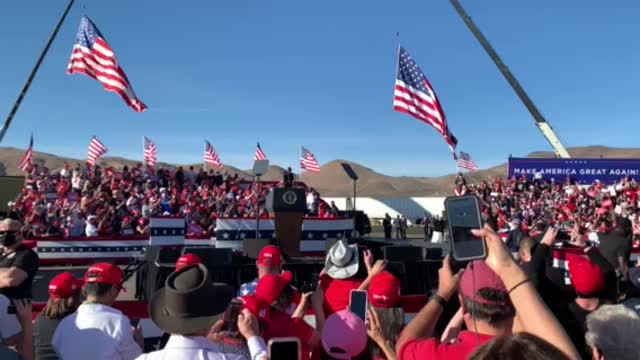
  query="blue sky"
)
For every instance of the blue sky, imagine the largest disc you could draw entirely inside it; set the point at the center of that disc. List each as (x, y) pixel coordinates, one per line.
(320, 74)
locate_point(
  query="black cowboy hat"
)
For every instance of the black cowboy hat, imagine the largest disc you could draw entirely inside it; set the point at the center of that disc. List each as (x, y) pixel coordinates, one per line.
(189, 301)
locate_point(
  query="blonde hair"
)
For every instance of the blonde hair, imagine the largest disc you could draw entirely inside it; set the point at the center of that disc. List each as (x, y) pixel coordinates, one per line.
(60, 308)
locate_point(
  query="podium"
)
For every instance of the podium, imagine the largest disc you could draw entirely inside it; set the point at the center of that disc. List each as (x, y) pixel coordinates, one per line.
(288, 206)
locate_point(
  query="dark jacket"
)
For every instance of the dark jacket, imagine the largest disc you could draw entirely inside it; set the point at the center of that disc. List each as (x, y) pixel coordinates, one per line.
(614, 245)
(551, 281)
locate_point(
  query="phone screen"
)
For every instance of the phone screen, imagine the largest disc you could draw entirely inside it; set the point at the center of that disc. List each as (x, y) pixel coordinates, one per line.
(234, 312)
(463, 215)
(358, 303)
(284, 349)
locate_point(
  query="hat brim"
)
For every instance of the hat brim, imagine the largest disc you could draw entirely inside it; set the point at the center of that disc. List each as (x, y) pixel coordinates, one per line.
(174, 325)
(343, 272)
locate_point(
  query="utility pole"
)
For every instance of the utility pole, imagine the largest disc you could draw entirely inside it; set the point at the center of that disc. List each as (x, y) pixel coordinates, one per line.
(541, 123)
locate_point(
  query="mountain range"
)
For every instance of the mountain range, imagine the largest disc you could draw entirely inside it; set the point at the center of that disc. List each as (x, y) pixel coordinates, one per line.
(331, 180)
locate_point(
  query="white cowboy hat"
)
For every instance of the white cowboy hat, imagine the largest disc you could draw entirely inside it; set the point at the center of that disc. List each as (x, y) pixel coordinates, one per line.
(342, 261)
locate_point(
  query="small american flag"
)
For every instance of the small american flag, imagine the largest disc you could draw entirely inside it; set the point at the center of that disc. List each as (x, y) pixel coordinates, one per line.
(308, 161)
(27, 159)
(150, 153)
(93, 57)
(96, 149)
(260, 155)
(465, 162)
(210, 155)
(413, 95)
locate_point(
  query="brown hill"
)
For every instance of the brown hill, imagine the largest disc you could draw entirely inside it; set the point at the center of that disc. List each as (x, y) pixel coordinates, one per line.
(332, 181)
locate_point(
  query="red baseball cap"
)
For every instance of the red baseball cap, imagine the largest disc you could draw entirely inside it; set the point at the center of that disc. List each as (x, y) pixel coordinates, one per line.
(104, 273)
(384, 290)
(64, 285)
(258, 307)
(187, 260)
(484, 278)
(270, 256)
(270, 287)
(587, 278)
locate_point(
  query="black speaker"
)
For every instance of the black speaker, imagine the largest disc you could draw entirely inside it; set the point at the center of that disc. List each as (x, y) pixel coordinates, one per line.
(404, 254)
(211, 257)
(160, 262)
(287, 200)
(40, 286)
(434, 253)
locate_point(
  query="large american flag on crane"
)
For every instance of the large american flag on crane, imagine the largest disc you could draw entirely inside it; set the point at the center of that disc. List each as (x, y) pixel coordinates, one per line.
(93, 57)
(210, 155)
(150, 153)
(260, 155)
(413, 95)
(308, 161)
(96, 149)
(465, 162)
(27, 159)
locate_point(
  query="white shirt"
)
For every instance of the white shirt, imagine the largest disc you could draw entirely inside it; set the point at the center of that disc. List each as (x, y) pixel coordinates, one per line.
(9, 325)
(77, 182)
(91, 230)
(199, 348)
(95, 332)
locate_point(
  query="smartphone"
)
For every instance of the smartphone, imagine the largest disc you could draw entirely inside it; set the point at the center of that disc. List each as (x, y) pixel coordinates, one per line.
(234, 312)
(134, 322)
(310, 286)
(358, 301)
(285, 348)
(463, 215)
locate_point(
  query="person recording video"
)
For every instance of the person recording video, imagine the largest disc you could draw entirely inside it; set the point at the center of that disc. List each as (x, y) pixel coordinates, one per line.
(18, 263)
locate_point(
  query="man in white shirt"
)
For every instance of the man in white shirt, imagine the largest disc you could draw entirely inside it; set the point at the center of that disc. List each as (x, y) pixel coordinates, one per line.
(91, 229)
(187, 307)
(97, 331)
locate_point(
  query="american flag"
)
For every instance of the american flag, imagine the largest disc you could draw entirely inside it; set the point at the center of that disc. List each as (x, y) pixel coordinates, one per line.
(210, 155)
(308, 161)
(260, 155)
(413, 95)
(27, 159)
(150, 153)
(465, 162)
(96, 149)
(93, 57)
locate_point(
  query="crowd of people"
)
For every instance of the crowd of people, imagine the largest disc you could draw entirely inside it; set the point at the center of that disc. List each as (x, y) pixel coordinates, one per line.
(522, 202)
(496, 308)
(95, 201)
(559, 285)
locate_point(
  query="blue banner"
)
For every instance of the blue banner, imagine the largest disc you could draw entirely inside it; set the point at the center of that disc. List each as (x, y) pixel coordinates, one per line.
(583, 171)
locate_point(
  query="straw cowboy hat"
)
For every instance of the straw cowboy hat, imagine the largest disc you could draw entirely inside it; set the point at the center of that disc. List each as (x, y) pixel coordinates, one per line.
(342, 261)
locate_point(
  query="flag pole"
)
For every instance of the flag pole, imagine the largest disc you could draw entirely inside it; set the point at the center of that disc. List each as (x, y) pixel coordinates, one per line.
(32, 75)
(397, 62)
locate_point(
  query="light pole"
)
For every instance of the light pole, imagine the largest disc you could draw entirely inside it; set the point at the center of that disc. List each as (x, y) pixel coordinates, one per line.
(353, 176)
